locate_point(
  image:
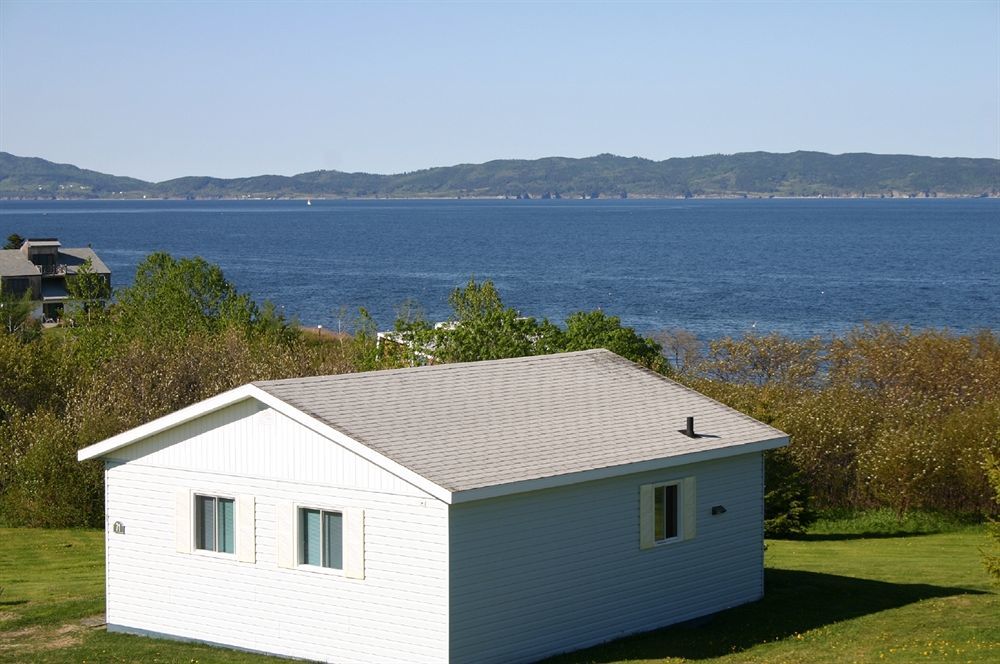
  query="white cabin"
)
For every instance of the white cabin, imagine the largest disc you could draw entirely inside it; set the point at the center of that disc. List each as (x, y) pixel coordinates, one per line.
(497, 511)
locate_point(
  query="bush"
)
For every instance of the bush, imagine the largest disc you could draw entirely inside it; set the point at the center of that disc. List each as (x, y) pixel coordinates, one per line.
(991, 554)
(883, 416)
(786, 497)
(43, 485)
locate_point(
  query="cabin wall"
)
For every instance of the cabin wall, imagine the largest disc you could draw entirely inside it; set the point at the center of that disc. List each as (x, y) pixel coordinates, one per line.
(396, 613)
(544, 572)
(250, 439)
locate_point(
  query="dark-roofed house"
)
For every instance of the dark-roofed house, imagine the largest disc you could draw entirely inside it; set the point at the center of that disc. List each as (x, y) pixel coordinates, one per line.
(495, 511)
(42, 267)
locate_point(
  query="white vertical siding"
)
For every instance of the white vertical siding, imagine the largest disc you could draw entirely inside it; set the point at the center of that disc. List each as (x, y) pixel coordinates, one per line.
(397, 613)
(250, 439)
(549, 571)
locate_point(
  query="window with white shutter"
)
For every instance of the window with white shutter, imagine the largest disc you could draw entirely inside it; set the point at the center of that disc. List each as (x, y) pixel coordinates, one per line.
(667, 512)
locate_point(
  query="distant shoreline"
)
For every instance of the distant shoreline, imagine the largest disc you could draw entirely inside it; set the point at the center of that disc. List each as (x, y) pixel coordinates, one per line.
(763, 175)
(303, 199)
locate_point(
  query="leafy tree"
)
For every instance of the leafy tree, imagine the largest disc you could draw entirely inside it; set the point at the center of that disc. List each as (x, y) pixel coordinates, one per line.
(483, 328)
(41, 482)
(171, 298)
(595, 329)
(681, 347)
(786, 496)
(15, 313)
(14, 241)
(366, 351)
(765, 359)
(33, 374)
(88, 289)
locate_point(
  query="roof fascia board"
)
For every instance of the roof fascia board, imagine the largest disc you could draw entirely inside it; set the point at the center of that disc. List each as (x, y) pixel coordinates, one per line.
(174, 419)
(351, 444)
(249, 391)
(555, 481)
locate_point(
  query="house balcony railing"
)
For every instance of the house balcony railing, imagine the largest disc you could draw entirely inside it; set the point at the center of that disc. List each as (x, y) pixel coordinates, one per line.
(58, 270)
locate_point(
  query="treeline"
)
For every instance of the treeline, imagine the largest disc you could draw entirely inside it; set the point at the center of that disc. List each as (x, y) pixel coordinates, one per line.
(880, 417)
(602, 176)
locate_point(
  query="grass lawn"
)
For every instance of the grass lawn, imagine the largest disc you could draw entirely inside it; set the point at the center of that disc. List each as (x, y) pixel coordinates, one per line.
(833, 597)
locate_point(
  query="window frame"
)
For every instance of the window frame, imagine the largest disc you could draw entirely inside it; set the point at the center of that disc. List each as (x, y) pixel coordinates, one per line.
(678, 512)
(299, 510)
(196, 525)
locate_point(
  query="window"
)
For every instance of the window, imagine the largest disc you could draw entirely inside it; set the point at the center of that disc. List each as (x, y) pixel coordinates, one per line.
(214, 524)
(321, 541)
(321, 538)
(665, 512)
(668, 512)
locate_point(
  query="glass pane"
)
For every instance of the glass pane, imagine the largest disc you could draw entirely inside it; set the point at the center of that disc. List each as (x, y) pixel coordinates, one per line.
(310, 539)
(204, 515)
(333, 540)
(671, 511)
(659, 506)
(226, 525)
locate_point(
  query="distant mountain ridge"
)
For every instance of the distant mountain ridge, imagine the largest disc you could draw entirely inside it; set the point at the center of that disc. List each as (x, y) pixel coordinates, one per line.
(766, 174)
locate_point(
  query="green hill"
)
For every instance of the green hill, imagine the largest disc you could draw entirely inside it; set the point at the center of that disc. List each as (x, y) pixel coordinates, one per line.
(31, 177)
(606, 175)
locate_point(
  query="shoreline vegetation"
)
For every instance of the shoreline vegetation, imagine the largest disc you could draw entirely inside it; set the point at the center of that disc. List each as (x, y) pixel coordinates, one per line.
(874, 421)
(797, 175)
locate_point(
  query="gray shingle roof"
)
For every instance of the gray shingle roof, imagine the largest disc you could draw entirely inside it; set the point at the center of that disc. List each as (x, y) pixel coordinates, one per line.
(13, 263)
(74, 257)
(482, 424)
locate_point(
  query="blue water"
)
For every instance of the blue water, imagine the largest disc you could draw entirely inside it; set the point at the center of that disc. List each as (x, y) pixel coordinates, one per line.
(711, 266)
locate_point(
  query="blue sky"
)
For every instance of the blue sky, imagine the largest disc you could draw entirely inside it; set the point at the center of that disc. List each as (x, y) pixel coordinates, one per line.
(160, 90)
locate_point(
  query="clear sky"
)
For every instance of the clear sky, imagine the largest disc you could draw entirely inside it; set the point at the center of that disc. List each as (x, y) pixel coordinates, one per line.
(160, 90)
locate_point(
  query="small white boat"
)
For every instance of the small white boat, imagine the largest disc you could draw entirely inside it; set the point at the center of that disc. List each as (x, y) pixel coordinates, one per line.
(309, 201)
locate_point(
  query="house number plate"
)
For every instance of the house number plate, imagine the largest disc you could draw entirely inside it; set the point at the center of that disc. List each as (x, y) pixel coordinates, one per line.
(118, 527)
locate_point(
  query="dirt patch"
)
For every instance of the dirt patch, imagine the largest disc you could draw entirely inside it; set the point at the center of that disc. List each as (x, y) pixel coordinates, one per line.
(19, 638)
(94, 621)
(7, 615)
(64, 637)
(18, 633)
(36, 639)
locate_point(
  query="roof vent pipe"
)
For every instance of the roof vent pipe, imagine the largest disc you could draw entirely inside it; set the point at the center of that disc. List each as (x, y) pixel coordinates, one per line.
(689, 432)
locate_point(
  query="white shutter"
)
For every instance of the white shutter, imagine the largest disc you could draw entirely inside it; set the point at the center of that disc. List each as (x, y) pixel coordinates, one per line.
(182, 521)
(354, 543)
(689, 505)
(246, 544)
(286, 534)
(646, 510)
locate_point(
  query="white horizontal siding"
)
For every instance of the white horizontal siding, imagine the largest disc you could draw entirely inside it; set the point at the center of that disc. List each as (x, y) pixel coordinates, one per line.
(397, 613)
(549, 571)
(249, 439)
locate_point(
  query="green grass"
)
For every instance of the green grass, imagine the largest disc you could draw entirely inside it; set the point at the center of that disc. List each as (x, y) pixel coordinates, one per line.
(885, 522)
(836, 596)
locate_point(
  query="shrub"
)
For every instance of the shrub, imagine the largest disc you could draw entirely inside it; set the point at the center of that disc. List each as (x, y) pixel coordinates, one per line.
(43, 483)
(991, 555)
(786, 496)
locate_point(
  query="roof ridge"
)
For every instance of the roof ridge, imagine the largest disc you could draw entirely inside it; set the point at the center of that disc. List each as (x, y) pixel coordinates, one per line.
(440, 367)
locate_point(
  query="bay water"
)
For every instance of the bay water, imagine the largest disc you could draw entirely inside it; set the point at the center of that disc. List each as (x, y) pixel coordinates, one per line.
(714, 267)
